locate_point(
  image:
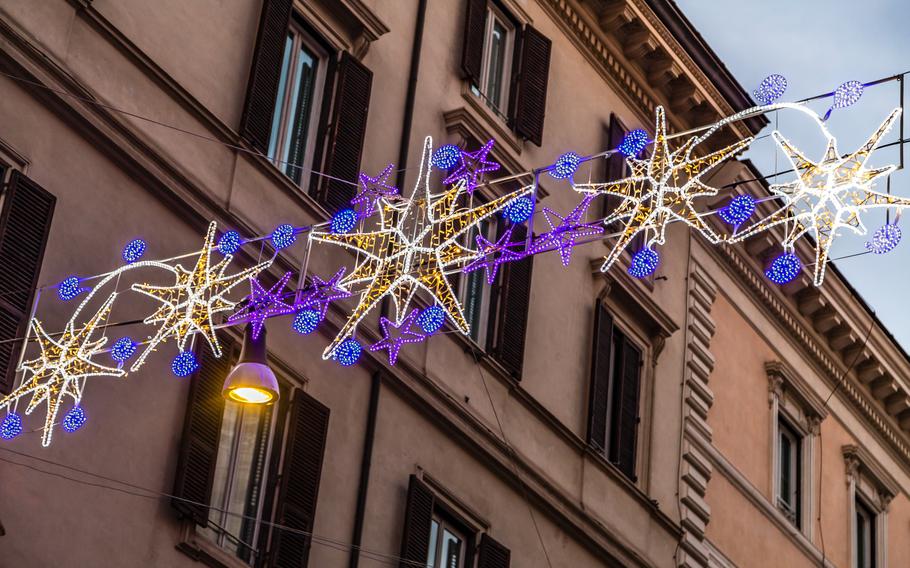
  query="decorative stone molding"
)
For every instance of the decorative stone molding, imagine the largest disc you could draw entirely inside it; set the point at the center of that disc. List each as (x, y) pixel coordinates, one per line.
(787, 386)
(870, 478)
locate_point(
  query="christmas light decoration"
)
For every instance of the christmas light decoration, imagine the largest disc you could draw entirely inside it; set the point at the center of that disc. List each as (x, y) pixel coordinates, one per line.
(416, 242)
(827, 195)
(74, 419)
(123, 349)
(188, 304)
(323, 292)
(344, 221)
(565, 166)
(473, 166)
(261, 305)
(446, 156)
(738, 210)
(347, 353)
(306, 321)
(785, 268)
(520, 210)
(133, 251)
(885, 239)
(184, 364)
(62, 367)
(565, 231)
(771, 88)
(662, 189)
(392, 341)
(69, 288)
(431, 319)
(644, 263)
(229, 243)
(633, 143)
(495, 254)
(11, 426)
(283, 236)
(847, 94)
(371, 190)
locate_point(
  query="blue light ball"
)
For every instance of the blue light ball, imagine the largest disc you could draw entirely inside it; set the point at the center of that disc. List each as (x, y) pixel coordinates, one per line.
(644, 263)
(348, 352)
(74, 419)
(69, 288)
(283, 236)
(738, 210)
(847, 94)
(344, 221)
(519, 210)
(885, 239)
(133, 251)
(633, 143)
(431, 319)
(771, 88)
(785, 268)
(184, 364)
(306, 321)
(445, 157)
(11, 426)
(123, 349)
(229, 243)
(565, 166)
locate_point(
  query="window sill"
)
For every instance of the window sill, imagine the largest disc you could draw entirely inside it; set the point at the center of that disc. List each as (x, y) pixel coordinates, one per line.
(208, 553)
(497, 125)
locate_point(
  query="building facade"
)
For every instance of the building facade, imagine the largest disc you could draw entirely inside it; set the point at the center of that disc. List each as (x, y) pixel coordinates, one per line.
(700, 417)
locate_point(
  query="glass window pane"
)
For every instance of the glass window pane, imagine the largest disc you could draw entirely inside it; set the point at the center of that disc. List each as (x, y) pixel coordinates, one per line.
(451, 550)
(496, 64)
(282, 93)
(431, 553)
(299, 114)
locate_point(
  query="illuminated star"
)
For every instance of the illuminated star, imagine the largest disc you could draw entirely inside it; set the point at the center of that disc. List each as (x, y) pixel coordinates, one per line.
(372, 189)
(415, 244)
(495, 254)
(188, 305)
(661, 189)
(828, 195)
(473, 166)
(403, 333)
(62, 367)
(262, 304)
(321, 293)
(565, 231)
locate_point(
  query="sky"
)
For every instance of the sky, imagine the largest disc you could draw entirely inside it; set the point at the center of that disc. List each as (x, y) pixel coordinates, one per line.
(817, 45)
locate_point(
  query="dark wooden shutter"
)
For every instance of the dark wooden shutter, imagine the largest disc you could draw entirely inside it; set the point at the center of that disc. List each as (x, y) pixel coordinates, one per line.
(615, 163)
(346, 133)
(265, 73)
(418, 520)
(531, 104)
(298, 488)
(472, 48)
(202, 432)
(599, 391)
(493, 554)
(25, 222)
(628, 407)
(514, 296)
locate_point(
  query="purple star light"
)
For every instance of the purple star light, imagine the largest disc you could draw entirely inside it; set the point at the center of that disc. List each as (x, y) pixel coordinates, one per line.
(322, 292)
(403, 333)
(372, 189)
(495, 254)
(262, 304)
(473, 166)
(565, 231)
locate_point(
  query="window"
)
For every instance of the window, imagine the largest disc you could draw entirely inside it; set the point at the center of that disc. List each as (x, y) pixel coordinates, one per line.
(789, 471)
(870, 491)
(296, 106)
(496, 71)
(447, 545)
(473, 291)
(864, 541)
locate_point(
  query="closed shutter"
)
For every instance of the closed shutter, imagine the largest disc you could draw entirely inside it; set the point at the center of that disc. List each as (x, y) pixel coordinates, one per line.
(493, 554)
(514, 296)
(418, 521)
(265, 73)
(346, 133)
(202, 432)
(25, 222)
(615, 163)
(628, 408)
(308, 426)
(599, 391)
(534, 70)
(472, 48)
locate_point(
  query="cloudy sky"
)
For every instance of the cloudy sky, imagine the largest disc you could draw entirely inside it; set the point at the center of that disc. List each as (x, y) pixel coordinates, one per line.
(817, 45)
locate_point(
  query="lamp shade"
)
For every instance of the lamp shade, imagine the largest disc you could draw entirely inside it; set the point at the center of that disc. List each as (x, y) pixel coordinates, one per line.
(251, 380)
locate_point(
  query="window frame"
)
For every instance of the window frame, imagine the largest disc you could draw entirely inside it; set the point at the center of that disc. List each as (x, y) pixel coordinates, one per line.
(487, 303)
(872, 487)
(445, 523)
(786, 430)
(494, 14)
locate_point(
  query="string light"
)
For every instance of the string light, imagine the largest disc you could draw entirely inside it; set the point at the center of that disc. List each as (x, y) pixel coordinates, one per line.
(69, 288)
(306, 321)
(283, 236)
(771, 88)
(262, 304)
(431, 319)
(738, 210)
(473, 166)
(495, 254)
(323, 292)
(11, 426)
(520, 210)
(344, 221)
(565, 231)
(348, 352)
(446, 156)
(229, 243)
(184, 364)
(133, 251)
(785, 268)
(123, 349)
(74, 419)
(633, 143)
(885, 239)
(644, 263)
(371, 190)
(847, 94)
(395, 336)
(565, 166)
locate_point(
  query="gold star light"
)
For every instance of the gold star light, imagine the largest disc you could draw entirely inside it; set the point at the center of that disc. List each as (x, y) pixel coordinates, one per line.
(187, 306)
(417, 241)
(827, 195)
(62, 367)
(661, 190)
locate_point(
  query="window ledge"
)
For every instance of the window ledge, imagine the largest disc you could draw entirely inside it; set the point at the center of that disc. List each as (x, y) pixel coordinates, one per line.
(208, 553)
